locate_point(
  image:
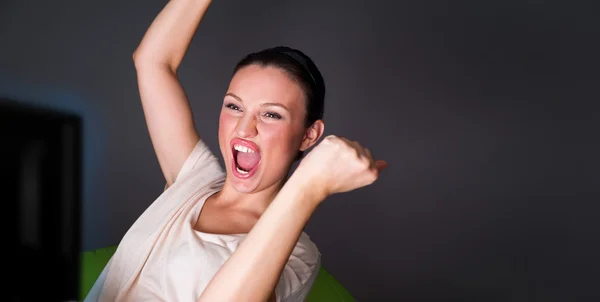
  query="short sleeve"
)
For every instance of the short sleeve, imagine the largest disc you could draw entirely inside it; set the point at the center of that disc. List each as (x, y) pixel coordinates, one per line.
(300, 273)
(201, 158)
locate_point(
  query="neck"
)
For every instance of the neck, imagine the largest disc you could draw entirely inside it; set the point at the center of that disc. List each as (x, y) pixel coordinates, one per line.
(255, 202)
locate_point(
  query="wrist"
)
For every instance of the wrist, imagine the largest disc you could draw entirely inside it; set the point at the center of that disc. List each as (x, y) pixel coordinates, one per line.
(309, 188)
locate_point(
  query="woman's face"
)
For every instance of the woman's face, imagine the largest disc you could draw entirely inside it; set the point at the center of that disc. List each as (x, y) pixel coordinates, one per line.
(261, 127)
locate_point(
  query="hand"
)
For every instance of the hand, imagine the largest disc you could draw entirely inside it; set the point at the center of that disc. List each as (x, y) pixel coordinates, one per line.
(338, 165)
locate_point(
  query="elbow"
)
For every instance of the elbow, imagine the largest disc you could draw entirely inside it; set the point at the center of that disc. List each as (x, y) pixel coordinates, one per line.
(138, 53)
(135, 56)
(142, 60)
(139, 59)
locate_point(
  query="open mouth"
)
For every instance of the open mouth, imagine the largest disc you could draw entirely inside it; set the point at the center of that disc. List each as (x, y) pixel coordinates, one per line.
(246, 158)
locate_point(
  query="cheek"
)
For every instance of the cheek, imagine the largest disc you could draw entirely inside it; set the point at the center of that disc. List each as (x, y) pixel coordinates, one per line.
(280, 139)
(226, 122)
(227, 125)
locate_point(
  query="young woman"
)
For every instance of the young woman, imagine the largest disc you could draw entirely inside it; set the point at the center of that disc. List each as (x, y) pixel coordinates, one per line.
(232, 233)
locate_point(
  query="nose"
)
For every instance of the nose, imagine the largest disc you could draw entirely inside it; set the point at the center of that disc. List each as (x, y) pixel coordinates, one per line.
(246, 126)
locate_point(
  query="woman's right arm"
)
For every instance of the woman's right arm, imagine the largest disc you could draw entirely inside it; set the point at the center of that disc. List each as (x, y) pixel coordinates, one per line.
(166, 107)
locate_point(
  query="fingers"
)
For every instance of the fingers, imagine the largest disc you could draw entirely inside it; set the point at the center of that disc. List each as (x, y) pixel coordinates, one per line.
(368, 153)
(380, 164)
(377, 165)
(354, 145)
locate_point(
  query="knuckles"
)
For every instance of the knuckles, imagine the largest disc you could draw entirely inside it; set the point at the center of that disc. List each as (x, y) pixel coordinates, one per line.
(365, 163)
(350, 151)
(352, 165)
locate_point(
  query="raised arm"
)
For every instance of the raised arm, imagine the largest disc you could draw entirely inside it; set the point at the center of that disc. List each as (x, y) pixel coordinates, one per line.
(251, 273)
(165, 104)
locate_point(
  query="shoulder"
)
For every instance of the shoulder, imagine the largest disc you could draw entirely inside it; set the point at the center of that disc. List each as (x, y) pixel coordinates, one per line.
(305, 257)
(300, 271)
(201, 161)
(306, 249)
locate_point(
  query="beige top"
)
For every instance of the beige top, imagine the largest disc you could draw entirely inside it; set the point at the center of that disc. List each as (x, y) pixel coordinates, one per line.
(162, 257)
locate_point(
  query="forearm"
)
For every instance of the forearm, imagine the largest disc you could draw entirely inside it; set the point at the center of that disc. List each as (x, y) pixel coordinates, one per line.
(253, 270)
(167, 39)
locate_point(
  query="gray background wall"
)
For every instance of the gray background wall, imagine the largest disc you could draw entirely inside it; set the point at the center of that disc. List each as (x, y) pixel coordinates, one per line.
(486, 111)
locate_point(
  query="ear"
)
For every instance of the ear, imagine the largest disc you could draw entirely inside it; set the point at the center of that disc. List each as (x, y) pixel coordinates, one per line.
(312, 135)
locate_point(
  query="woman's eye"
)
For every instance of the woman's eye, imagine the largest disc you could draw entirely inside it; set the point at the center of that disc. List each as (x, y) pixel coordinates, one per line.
(233, 107)
(273, 115)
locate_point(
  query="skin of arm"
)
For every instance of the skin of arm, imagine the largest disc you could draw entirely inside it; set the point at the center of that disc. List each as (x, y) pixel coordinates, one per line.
(166, 107)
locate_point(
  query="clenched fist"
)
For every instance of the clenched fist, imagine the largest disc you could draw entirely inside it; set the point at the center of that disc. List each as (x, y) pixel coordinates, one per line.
(338, 165)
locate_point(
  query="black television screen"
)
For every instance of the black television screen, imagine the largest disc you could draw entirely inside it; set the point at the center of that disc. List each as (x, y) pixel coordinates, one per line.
(40, 163)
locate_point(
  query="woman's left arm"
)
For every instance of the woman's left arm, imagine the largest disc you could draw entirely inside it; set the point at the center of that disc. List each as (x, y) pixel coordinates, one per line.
(252, 272)
(336, 165)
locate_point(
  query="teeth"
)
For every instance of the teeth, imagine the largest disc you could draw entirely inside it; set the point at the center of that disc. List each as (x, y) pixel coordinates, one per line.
(241, 171)
(244, 149)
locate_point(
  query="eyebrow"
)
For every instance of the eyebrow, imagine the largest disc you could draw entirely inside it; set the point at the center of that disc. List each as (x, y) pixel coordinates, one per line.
(234, 96)
(262, 105)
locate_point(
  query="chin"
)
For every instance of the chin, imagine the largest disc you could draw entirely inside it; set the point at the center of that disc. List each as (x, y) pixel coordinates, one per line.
(243, 185)
(249, 186)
